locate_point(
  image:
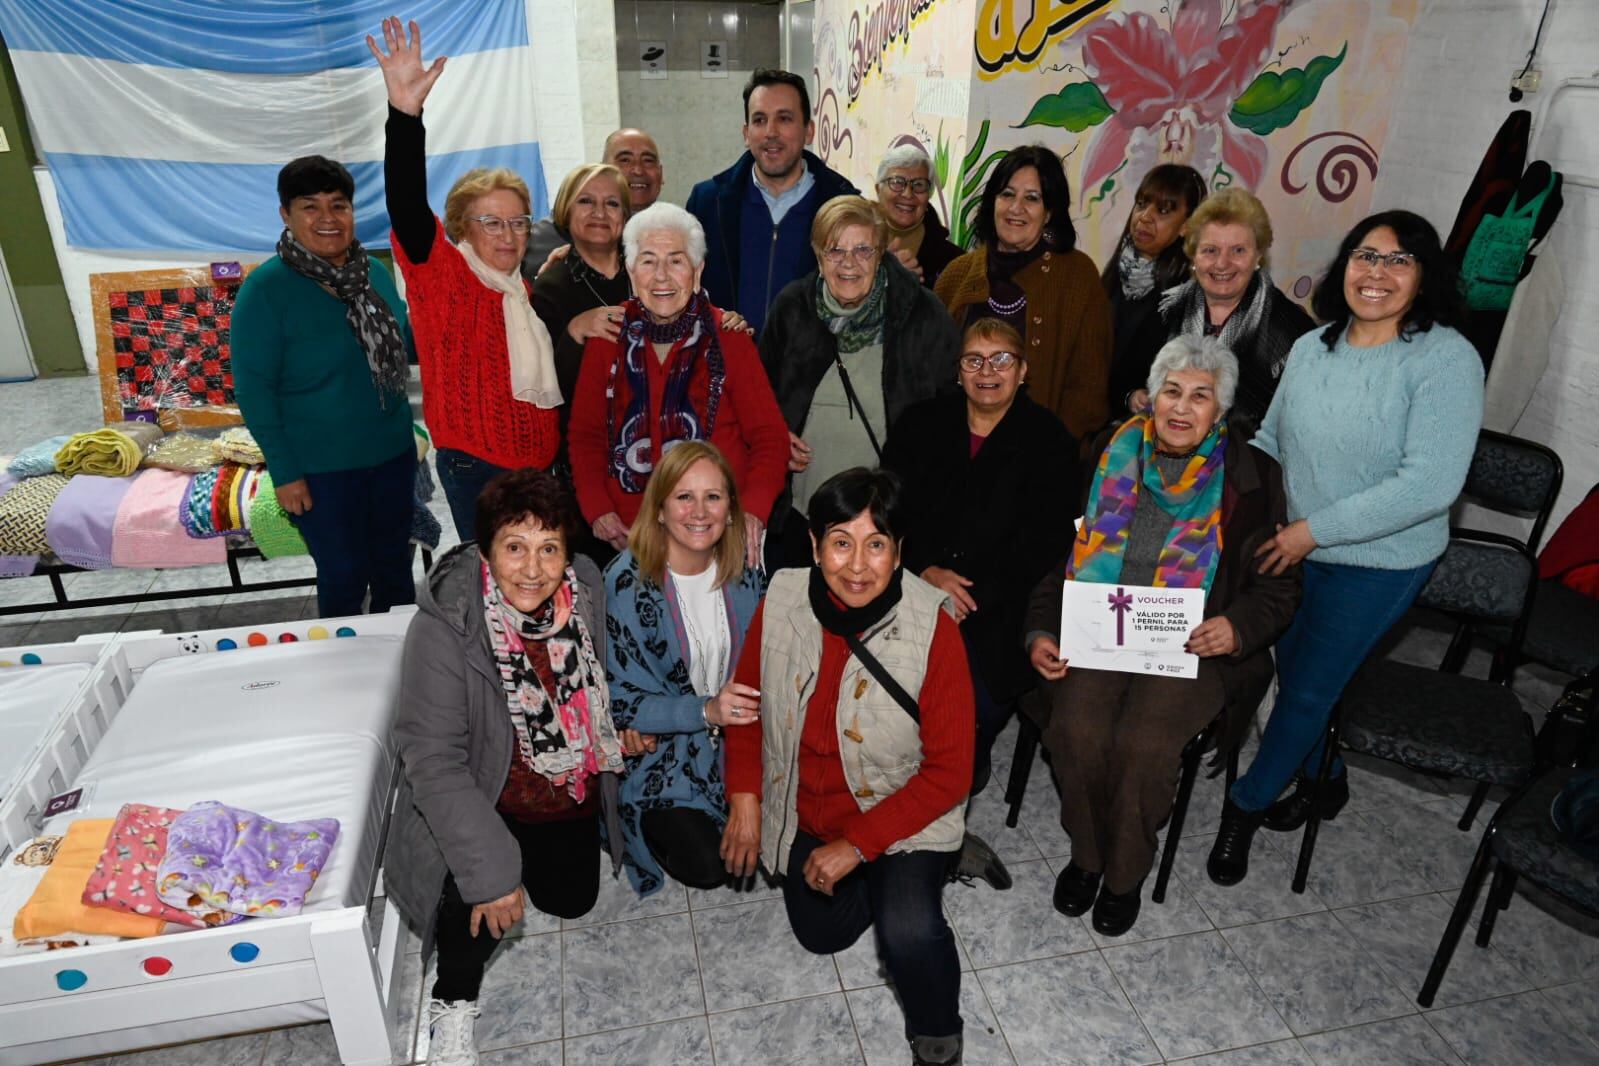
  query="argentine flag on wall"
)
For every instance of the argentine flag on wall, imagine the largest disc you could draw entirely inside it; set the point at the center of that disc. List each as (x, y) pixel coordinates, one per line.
(164, 124)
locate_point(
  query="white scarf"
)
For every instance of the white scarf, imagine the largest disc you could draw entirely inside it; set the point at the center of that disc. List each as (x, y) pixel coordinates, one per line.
(527, 341)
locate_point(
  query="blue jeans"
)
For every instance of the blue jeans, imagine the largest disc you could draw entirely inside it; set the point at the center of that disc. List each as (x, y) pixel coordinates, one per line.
(1344, 612)
(462, 477)
(902, 895)
(359, 532)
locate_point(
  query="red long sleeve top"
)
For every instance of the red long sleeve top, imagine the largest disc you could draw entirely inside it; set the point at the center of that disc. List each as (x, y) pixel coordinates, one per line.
(749, 428)
(459, 324)
(827, 808)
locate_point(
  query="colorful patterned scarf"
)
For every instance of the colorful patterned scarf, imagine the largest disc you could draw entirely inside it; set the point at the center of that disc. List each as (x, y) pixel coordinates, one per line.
(567, 736)
(631, 429)
(1193, 545)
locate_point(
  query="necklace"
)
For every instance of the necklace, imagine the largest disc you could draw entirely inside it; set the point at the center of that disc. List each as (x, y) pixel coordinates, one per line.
(581, 271)
(1007, 309)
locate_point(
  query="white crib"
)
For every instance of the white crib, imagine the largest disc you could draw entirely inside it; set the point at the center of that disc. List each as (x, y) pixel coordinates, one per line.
(291, 720)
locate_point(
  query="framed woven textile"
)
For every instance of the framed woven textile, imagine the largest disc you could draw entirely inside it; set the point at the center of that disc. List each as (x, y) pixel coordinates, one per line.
(163, 345)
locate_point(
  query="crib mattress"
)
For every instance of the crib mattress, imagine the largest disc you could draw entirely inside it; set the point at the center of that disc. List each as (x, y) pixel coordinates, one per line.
(291, 731)
(32, 699)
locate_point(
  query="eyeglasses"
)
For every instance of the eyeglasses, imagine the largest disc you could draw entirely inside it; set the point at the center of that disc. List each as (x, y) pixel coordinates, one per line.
(861, 253)
(493, 225)
(972, 362)
(919, 186)
(1397, 262)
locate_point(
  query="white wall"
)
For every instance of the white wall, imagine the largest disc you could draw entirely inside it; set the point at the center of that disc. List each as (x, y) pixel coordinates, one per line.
(695, 120)
(1452, 99)
(576, 107)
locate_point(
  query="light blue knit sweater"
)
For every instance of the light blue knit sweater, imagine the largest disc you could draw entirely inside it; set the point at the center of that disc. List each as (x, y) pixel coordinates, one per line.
(1375, 443)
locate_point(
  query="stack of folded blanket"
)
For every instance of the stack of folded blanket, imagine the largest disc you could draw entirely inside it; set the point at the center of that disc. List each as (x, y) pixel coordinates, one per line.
(132, 875)
(114, 451)
(237, 445)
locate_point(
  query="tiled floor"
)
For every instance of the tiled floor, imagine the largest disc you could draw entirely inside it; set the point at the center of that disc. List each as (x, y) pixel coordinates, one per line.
(1248, 976)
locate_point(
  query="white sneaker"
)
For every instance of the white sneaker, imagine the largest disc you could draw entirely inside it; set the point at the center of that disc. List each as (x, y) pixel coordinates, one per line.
(451, 1041)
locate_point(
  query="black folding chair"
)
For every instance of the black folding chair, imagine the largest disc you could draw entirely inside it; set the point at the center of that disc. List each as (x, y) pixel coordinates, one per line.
(1521, 841)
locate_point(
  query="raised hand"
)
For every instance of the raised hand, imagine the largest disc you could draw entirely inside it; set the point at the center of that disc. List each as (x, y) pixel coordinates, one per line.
(404, 76)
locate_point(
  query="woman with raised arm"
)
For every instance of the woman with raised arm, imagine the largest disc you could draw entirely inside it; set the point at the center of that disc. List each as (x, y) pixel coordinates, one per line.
(490, 391)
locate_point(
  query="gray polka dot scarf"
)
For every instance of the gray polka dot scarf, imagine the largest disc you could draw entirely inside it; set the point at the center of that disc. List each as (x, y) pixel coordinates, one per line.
(374, 323)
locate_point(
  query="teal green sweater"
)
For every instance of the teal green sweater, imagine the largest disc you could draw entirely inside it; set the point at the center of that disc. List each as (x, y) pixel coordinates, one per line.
(302, 380)
(1375, 443)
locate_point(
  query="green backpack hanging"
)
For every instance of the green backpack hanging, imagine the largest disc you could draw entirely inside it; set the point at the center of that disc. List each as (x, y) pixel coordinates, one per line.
(1497, 250)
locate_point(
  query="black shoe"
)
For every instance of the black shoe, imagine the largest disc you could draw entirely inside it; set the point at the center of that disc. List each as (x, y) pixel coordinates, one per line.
(1293, 810)
(977, 860)
(1075, 889)
(1229, 856)
(1115, 912)
(936, 1050)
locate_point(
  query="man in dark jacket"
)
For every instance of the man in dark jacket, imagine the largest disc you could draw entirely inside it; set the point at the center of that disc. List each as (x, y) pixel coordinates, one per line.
(757, 213)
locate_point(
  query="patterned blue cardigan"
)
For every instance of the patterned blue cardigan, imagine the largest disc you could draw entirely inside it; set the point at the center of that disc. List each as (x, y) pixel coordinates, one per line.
(650, 692)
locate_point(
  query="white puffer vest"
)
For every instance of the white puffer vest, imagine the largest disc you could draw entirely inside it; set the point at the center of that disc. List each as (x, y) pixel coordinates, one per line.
(879, 743)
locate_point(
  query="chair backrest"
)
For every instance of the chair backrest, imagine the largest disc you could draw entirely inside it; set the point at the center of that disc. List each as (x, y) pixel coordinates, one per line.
(1483, 577)
(1515, 476)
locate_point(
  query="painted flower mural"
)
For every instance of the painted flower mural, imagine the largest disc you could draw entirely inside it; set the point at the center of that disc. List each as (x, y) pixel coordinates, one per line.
(1194, 93)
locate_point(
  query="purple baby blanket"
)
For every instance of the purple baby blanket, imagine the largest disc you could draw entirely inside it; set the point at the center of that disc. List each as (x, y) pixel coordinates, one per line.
(239, 861)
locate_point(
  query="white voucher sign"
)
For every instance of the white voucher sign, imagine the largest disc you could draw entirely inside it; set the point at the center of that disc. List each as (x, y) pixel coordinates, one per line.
(1135, 629)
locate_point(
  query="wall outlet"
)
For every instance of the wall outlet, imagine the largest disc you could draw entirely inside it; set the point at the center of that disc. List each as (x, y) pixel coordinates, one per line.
(1527, 81)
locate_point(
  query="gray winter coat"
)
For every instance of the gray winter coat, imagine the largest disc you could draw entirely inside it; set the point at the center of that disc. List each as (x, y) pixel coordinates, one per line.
(456, 743)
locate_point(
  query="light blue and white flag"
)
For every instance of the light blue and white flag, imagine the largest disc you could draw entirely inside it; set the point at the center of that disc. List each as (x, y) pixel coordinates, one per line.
(164, 124)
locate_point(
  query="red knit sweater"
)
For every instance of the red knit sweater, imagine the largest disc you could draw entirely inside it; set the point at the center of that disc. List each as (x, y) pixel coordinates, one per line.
(749, 428)
(459, 324)
(827, 808)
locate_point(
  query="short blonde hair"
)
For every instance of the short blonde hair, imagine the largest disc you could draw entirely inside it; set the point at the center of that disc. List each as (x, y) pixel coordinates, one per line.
(1232, 206)
(576, 181)
(998, 330)
(647, 539)
(480, 181)
(842, 212)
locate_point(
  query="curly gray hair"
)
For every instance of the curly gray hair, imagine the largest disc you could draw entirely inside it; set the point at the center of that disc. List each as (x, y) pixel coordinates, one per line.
(1205, 354)
(664, 216)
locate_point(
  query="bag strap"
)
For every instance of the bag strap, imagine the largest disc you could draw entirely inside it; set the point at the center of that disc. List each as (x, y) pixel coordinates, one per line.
(855, 403)
(884, 678)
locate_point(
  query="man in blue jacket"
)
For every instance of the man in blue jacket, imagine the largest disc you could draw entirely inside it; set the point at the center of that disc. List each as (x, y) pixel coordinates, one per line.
(757, 213)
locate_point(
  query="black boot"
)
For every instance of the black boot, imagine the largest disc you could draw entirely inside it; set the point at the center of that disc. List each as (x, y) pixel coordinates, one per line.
(977, 860)
(1075, 889)
(936, 1050)
(1229, 856)
(1293, 810)
(1115, 912)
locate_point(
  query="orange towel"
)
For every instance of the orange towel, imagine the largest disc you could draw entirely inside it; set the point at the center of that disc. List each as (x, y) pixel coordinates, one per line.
(56, 906)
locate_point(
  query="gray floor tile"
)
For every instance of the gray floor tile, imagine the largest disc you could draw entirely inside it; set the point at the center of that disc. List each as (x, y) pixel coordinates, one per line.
(264, 608)
(880, 1023)
(686, 1042)
(1547, 940)
(303, 1045)
(520, 972)
(1015, 925)
(229, 1051)
(1067, 1011)
(801, 1032)
(1403, 934)
(986, 818)
(757, 888)
(1579, 1002)
(1179, 914)
(748, 955)
(627, 973)
(1424, 837)
(1264, 895)
(1375, 783)
(1277, 1053)
(1522, 1028)
(1408, 1041)
(545, 1054)
(1351, 865)
(1175, 985)
(1315, 975)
